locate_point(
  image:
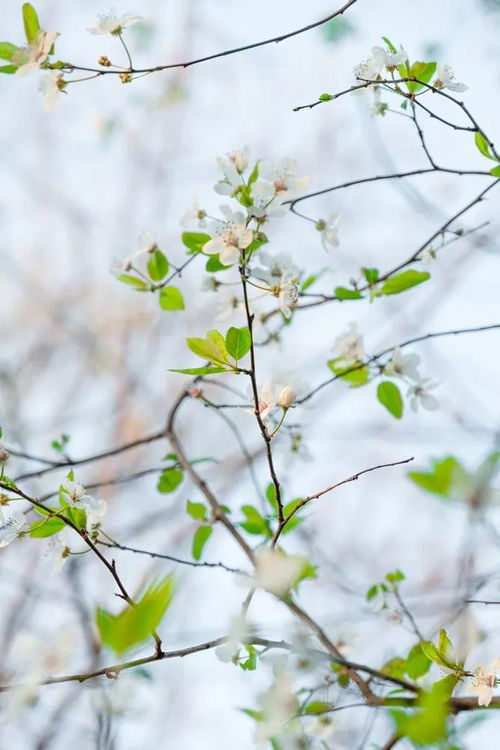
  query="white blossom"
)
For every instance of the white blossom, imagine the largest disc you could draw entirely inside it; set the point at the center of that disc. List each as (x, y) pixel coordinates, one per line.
(446, 80)
(403, 365)
(286, 397)
(195, 216)
(29, 59)
(58, 552)
(267, 400)
(77, 497)
(428, 256)
(11, 526)
(51, 86)
(349, 346)
(277, 572)
(329, 231)
(237, 634)
(279, 706)
(229, 237)
(371, 68)
(4, 454)
(232, 167)
(111, 23)
(483, 682)
(281, 279)
(282, 180)
(419, 395)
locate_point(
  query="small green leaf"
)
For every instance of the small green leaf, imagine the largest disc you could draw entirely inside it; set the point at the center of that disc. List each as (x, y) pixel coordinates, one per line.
(403, 281)
(441, 478)
(417, 663)
(170, 298)
(158, 265)
(390, 45)
(195, 241)
(238, 342)
(31, 22)
(317, 707)
(200, 538)
(371, 275)
(135, 624)
(325, 97)
(423, 71)
(254, 523)
(212, 347)
(201, 370)
(356, 374)
(483, 145)
(169, 480)
(49, 527)
(213, 265)
(389, 396)
(395, 577)
(7, 50)
(495, 171)
(197, 511)
(251, 662)
(341, 292)
(139, 284)
(8, 69)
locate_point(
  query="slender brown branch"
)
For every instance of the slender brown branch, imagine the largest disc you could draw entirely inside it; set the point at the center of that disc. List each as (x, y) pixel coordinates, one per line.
(225, 53)
(161, 556)
(352, 478)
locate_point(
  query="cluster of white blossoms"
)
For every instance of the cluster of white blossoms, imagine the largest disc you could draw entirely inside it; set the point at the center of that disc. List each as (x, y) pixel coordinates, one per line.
(76, 496)
(371, 70)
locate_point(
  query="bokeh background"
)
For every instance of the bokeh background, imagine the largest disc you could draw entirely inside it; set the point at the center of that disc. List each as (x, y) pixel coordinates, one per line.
(84, 355)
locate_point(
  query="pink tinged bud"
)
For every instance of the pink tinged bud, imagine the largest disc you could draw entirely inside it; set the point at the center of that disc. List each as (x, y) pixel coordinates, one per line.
(195, 392)
(4, 454)
(287, 397)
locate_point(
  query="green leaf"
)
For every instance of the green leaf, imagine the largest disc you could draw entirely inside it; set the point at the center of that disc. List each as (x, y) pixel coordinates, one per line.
(423, 71)
(389, 396)
(395, 576)
(417, 663)
(135, 624)
(201, 370)
(271, 497)
(341, 292)
(356, 374)
(251, 662)
(197, 511)
(483, 145)
(139, 284)
(212, 347)
(325, 97)
(317, 707)
(392, 48)
(31, 22)
(169, 480)
(213, 265)
(8, 69)
(403, 281)
(295, 520)
(195, 241)
(495, 171)
(440, 479)
(200, 538)
(238, 342)
(254, 523)
(308, 282)
(158, 265)
(49, 527)
(371, 275)
(170, 298)
(7, 50)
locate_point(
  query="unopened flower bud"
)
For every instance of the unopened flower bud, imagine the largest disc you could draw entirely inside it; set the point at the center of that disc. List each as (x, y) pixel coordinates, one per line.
(104, 61)
(4, 454)
(125, 77)
(195, 392)
(287, 397)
